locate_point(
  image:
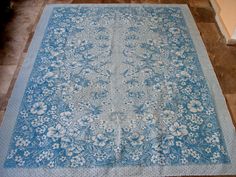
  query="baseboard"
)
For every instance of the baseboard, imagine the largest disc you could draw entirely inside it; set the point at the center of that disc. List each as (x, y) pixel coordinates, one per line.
(230, 40)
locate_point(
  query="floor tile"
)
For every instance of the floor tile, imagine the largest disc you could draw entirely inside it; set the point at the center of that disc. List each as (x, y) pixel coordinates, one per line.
(203, 14)
(226, 77)
(6, 75)
(1, 116)
(59, 1)
(29, 3)
(199, 3)
(174, 2)
(231, 101)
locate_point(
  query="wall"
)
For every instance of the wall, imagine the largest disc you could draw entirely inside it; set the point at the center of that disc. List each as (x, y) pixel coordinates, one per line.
(226, 18)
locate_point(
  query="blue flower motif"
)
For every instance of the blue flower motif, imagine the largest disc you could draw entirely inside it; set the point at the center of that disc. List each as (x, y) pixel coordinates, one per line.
(140, 109)
(153, 80)
(82, 82)
(94, 110)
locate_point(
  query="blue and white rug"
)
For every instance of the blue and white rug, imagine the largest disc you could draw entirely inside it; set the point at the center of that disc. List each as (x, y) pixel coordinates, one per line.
(117, 90)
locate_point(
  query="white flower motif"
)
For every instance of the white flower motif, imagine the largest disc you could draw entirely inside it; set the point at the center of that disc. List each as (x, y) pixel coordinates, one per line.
(65, 115)
(195, 106)
(101, 156)
(77, 161)
(179, 143)
(178, 130)
(149, 118)
(38, 122)
(210, 111)
(21, 163)
(85, 121)
(99, 140)
(50, 75)
(209, 125)
(63, 158)
(41, 130)
(167, 141)
(18, 158)
(136, 139)
(74, 150)
(213, 139)
(172, 156)
(74, 131)
(195, 155)
(56, 132)
(208, 150)
(157, 147)
(38, 108)
(216, 155)
(21, 142)
(168, 116)
(109, 129)
(183, 161)
(55, 146)
(158, 158)
(69, 151)
(26, 153)
(59, 31)
(11, 154)
(185, 74)
(174, 30)
(136, 155)
(196, 119)
(155, 158)
(51, 164)
(24, 114)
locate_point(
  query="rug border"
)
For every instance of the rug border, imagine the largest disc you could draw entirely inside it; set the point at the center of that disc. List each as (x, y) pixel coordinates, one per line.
(224, 117)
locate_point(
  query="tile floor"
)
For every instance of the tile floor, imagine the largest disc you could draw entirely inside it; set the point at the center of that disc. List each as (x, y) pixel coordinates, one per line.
(20, 29)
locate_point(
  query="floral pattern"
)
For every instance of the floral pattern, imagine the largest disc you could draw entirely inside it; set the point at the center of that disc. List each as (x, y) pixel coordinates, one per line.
(116, 86)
